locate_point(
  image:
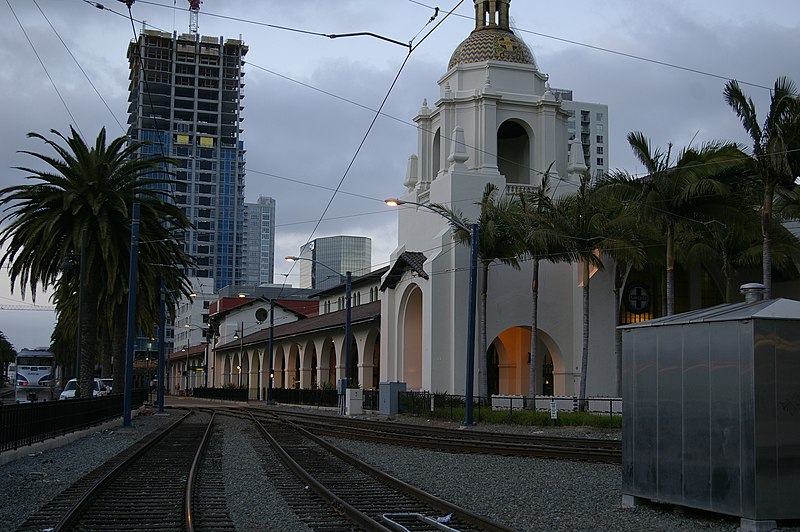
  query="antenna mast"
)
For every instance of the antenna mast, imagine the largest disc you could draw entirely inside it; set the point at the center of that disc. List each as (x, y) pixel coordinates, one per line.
(194, 13)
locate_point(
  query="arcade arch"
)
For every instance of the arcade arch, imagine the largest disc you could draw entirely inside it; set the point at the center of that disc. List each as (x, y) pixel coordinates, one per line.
(508, 360)
(411, 337)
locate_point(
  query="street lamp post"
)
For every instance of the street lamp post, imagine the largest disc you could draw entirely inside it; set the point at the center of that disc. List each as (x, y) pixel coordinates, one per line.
(240, 337)
(348, 287)
(473, 231)
(271, 345)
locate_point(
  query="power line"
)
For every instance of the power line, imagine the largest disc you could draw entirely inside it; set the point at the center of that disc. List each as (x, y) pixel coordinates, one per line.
(52, 82)
(79, 66)
(617, 52)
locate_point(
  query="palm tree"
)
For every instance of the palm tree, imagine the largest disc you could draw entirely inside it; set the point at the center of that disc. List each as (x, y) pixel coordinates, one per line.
(592, 232)
(774, 156)
(495, 243)
(7, 354)
(542, 235)
(87, 190)
(684, 190)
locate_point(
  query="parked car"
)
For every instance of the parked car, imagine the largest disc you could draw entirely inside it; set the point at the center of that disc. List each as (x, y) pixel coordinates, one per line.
(107, 382)
(72, 386)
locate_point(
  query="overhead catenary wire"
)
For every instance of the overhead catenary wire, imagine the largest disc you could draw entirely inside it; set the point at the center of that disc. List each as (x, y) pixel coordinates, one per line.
(616, 52)
(445, 137)
(80, 67)
(38, 57)
(344, 99)
(470, 17)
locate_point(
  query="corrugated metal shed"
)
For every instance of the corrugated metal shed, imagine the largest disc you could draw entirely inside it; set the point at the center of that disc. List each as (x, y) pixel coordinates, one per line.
(711, 411)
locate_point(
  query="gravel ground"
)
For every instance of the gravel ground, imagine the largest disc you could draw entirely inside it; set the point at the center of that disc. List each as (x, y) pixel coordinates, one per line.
(30, 482)
(523, 493)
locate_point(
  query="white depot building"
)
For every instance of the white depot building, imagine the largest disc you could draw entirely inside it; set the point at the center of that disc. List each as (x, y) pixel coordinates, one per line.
(496, 121)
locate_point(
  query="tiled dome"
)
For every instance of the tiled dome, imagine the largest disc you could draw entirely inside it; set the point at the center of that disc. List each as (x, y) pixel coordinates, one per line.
(492, 44)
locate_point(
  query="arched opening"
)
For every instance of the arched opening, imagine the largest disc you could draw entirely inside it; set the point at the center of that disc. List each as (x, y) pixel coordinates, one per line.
(514, 153)
(436, 154)
(376, 362)
(314, 371)
(411, 335)
(513, 351)
(226, 371)
(278, 364)
(328, 364)
(244, 379)
(493, 370)
(352, 366)
(293, 368)
(547, 375)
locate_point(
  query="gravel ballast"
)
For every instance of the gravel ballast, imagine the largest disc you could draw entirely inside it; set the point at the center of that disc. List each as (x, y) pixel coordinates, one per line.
(521, 492)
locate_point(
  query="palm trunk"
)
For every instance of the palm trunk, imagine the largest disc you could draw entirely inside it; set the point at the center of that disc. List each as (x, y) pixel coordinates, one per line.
(619, 279)
(766, 223)
(105, 349)
(585, 351)
(670, 270)
(118, 348)
(88, 340)
(534, 331)
(483, 377)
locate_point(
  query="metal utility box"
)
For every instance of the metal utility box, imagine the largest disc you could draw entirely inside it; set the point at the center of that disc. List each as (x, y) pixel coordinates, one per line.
(354, 401)
(389, 397)
(711, 411)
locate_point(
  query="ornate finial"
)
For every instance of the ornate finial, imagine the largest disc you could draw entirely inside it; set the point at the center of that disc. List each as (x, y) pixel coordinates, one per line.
(576, 165)
(548, 96)
(458, 148)
(411, 173)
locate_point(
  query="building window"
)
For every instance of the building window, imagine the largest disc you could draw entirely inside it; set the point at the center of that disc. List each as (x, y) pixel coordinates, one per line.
(600, 161)
(600, 117)
(599, 139)
(599, 128)
(599, 150)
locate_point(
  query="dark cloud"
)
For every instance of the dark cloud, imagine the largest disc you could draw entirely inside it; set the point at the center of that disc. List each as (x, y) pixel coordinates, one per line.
(304, 135)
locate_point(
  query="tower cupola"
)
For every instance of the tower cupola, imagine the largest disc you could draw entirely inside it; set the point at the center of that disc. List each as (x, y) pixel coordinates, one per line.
(492, 39)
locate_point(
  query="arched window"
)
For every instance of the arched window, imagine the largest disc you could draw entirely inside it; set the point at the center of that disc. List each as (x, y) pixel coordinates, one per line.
(513, 153)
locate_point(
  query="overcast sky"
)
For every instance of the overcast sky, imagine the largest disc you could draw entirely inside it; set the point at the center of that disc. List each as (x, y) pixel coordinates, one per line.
(310, 99)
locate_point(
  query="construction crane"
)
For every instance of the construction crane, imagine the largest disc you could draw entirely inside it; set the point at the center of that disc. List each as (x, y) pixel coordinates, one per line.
(27, 307)
(194, 14)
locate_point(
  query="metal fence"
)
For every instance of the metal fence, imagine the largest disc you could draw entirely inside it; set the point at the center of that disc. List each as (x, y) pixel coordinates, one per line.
(222, 394)
(28, 423)
(423, 403)
(306, 397)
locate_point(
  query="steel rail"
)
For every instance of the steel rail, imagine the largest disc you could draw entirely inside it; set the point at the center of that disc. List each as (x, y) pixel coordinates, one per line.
(581, 449)
(70, 519)
(400, 485)
(193, 473)
(357, 516)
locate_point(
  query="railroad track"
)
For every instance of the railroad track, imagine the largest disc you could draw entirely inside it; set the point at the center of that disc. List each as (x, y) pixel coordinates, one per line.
(148, 487)
(338, 492)
(471, 441)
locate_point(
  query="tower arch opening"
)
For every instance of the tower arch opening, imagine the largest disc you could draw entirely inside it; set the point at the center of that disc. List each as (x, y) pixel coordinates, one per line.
(514, 152)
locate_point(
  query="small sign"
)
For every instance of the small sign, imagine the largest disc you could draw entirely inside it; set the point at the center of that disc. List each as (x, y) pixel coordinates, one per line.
(553, 409)
(638, 299)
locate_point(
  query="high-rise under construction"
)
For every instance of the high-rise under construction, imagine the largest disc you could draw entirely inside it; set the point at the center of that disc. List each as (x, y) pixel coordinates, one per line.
(185, 97)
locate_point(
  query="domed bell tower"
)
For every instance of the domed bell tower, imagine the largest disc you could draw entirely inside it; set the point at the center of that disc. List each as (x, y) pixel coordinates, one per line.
(496, 119)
